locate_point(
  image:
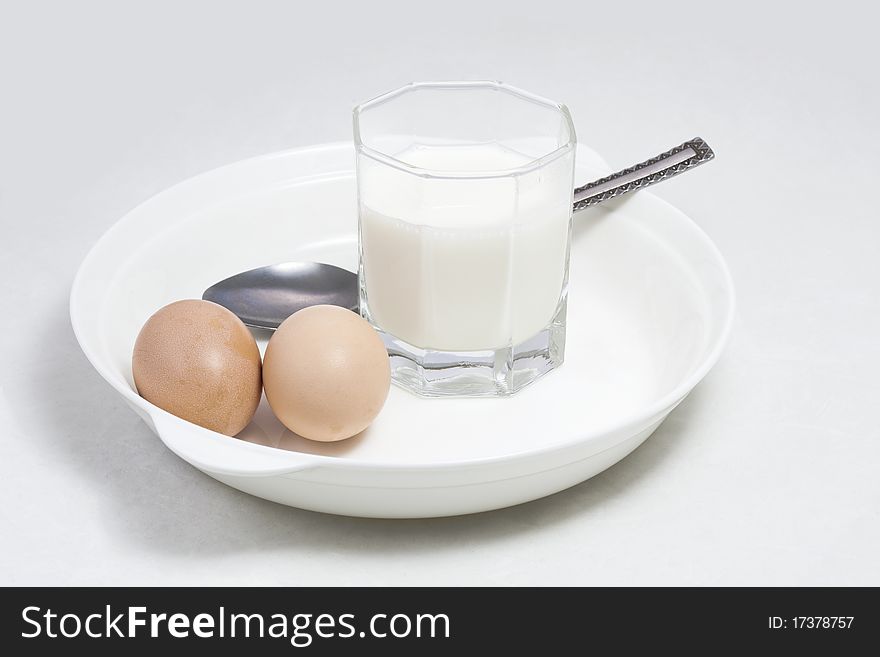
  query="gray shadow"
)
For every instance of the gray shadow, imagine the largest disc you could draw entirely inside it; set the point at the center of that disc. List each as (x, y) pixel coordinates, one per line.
(155, 500)
(584, 221)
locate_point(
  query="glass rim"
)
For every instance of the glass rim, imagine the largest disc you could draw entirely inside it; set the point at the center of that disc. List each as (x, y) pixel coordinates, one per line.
(422, 172)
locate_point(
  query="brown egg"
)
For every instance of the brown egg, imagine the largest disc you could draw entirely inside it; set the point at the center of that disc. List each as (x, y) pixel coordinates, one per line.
(197, 360)
(326, 373)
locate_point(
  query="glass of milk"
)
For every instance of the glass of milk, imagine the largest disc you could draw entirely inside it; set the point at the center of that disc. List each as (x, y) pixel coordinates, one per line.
(465, 200)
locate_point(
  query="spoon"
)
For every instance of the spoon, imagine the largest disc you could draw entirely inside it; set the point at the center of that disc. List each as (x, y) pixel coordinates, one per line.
(266, 296)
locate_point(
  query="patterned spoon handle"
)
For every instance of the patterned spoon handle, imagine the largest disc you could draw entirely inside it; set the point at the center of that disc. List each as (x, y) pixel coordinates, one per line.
(682, 158)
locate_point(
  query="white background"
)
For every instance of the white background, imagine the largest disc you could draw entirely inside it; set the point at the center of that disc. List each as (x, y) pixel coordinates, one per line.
(766, 474)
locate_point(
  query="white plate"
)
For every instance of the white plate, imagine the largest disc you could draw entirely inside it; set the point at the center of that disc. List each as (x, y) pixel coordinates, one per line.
(651, 304)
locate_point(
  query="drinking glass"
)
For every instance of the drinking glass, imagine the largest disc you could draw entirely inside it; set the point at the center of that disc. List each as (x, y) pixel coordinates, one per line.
(464, 202)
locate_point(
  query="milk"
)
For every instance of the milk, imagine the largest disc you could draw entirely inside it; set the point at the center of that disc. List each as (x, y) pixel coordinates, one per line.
(464, 264)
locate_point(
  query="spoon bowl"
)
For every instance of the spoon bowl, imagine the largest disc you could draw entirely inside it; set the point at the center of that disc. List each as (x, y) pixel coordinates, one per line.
(266, 296)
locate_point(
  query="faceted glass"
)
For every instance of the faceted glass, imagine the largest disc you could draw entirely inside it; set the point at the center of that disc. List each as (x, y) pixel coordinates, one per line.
(464, 200)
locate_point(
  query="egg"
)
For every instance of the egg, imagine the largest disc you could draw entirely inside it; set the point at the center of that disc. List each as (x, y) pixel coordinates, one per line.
(326, 373)
(198, 361)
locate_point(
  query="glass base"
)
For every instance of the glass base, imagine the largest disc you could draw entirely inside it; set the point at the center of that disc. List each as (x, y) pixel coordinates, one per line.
(489, 373)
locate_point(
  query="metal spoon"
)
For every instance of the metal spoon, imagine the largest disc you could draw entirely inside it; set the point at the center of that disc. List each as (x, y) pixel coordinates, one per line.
(265, 297)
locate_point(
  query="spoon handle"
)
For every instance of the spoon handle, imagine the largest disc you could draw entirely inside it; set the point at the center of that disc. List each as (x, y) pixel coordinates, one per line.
(690, 154)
